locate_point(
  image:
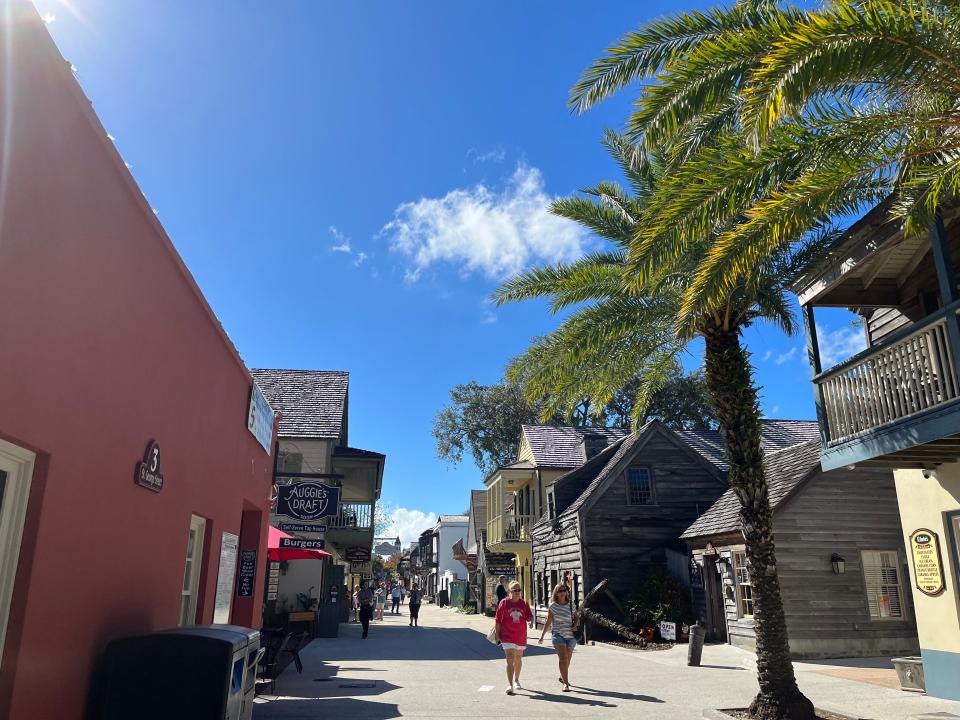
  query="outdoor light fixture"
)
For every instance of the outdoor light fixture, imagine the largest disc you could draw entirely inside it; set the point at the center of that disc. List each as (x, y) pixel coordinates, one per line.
(838, 563)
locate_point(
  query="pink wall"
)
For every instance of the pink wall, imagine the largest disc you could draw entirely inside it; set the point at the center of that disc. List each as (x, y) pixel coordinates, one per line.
(105, 342)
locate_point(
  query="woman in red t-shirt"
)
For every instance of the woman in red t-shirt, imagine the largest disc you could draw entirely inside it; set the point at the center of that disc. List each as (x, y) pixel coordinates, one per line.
(513, 616)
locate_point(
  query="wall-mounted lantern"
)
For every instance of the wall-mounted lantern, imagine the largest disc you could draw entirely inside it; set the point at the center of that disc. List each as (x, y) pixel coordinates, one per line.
(838, 564)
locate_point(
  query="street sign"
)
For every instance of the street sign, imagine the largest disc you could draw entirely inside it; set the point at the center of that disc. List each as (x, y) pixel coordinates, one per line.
(307, 500)
(301, 544)
(356, 554)
(147, 473)
(301, 527)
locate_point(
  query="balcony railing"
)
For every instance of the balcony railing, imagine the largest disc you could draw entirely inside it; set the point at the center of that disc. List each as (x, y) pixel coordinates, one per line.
(911, 373)
(358, 516)
(509, 528)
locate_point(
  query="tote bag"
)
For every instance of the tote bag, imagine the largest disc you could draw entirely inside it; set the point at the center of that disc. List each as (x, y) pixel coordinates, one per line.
(492, 635)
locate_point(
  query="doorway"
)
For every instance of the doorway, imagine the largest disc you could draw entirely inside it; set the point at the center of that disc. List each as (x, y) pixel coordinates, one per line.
(713, 589)
(191, 571)
(16, 473)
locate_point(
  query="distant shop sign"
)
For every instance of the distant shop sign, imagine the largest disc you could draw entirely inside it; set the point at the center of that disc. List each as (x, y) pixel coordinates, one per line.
(246, 572)
(301, 527)
(260, 417)
(307, 500)
(301, 544)
(147, 473)
(357, 555)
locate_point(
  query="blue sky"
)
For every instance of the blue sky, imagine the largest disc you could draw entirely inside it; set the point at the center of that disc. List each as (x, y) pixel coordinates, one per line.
(349, 181)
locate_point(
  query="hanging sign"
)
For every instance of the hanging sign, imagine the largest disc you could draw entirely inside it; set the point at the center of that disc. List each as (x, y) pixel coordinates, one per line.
(301, 527)
(246, 573)
(260, 417)
(307, 500)
(147, 473)
(356, 555)
(301, 544)
(927, 565)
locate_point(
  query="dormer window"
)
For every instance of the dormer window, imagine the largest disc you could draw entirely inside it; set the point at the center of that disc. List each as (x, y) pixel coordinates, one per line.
(593, 445)
(639, 486)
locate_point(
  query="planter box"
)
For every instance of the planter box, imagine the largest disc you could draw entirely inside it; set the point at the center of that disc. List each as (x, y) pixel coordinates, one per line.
(910, 672)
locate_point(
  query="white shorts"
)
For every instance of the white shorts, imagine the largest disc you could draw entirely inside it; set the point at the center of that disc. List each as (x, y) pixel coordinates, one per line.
(511, 646)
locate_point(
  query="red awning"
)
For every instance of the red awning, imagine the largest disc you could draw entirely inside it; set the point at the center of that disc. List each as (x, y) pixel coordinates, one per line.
(278, 554)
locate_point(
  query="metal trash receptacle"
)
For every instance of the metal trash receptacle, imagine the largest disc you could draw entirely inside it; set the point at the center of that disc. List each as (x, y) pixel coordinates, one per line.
(197, 672)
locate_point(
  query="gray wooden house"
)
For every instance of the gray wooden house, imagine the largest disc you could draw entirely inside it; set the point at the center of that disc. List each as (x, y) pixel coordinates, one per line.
(840, 557)
(624, 510)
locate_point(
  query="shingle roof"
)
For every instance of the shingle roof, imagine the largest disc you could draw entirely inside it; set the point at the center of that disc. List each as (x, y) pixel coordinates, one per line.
(561, 447)
(478, 506)
(555, 446)
(454, 518)
(311, 403)
(776, 435)
(343, 451)
(786, 469)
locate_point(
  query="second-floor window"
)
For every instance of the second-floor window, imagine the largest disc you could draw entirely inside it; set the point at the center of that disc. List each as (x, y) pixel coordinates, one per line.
(551, 506)
(639, 486)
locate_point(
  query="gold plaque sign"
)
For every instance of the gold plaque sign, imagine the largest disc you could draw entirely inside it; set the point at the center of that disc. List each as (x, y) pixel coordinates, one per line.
(927, 566)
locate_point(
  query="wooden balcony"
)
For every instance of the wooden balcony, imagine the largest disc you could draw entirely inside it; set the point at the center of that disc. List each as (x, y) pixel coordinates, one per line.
(897, 403)
(509, 533)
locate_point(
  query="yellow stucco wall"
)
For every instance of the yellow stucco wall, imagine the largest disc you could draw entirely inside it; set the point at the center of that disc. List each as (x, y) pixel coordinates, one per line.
(923, 504)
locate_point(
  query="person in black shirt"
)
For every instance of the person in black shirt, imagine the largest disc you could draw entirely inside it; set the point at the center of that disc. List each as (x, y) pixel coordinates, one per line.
(502, 589)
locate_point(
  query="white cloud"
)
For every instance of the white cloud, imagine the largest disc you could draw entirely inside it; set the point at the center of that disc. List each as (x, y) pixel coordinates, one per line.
(360, 258)
(496, 233)
(838, 345)
(49, 17)
(343, 242)
(783, 357)
(496, 155)
(766, 356)
(408, 524)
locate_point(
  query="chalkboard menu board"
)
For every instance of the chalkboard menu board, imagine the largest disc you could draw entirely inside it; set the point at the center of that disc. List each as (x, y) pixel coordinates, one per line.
(246, 573)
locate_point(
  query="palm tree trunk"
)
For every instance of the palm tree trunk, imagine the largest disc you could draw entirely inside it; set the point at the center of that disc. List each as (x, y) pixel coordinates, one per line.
(730, 384)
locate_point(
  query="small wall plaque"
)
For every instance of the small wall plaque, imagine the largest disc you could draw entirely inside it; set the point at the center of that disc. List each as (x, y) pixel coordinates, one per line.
(147, 473)
(927, 564)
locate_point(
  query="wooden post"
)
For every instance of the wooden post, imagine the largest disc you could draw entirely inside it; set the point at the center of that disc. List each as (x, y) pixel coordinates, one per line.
(813, 355)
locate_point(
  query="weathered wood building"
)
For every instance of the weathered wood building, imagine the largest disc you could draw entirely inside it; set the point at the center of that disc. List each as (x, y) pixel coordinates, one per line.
(840, 557)
(623, 511)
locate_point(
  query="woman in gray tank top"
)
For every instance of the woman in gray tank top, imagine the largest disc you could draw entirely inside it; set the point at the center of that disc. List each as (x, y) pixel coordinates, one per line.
(560, 620)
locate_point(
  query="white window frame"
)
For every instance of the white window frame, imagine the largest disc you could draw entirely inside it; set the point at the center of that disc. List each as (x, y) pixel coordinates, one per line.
(190, 594)
(899, 584)
(736, 567)
(651, 495)
(17, 463)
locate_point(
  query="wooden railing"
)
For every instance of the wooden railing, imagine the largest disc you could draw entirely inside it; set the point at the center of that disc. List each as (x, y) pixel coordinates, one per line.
(509, 528)
(912, 372)
(353, 515)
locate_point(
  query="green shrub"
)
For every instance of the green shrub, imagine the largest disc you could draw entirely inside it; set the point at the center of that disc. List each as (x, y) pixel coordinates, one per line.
(659, 596)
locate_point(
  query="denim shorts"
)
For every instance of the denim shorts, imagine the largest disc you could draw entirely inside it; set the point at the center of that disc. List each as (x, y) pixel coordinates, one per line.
(570, 643)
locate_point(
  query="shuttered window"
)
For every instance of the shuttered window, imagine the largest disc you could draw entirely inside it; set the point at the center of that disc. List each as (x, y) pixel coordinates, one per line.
(639, 486)
(881, 574)
(741, 575)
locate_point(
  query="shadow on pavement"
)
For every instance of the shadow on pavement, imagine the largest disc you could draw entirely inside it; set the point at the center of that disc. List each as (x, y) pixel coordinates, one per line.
(723, 667)
(295, 709)
(615, 694)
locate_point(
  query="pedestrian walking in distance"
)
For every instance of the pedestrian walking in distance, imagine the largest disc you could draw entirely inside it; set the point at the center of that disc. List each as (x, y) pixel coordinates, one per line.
(502, 589)
(513, 617)
(414, 606)
(560, 622)
(381, 601)
(366, 600)
(395, 597)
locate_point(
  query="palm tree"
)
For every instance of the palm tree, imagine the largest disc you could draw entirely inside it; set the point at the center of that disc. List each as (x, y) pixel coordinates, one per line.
(623, 327)
(783, 119)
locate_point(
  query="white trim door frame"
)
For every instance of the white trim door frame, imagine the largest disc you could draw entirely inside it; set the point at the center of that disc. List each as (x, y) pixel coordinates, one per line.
(16, 472)
(191, 571)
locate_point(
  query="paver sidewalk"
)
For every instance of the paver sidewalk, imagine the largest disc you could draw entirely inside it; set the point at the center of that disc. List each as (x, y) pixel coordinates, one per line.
(446, 668)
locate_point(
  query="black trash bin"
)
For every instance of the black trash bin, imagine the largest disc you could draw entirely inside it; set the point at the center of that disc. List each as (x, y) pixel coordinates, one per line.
(200, 672)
